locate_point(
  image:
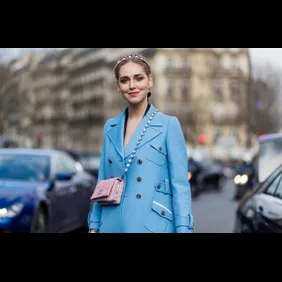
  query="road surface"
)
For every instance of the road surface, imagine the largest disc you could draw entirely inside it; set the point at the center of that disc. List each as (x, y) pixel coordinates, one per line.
(214, 212)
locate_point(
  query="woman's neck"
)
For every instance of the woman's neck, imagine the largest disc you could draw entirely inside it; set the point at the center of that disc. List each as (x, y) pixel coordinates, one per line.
(136, 112)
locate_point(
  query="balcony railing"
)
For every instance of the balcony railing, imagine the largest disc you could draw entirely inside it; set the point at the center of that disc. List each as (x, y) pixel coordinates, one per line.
(178, 70)
(234, 73)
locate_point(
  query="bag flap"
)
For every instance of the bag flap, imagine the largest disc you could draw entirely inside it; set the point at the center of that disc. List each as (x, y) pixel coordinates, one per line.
(103, 188)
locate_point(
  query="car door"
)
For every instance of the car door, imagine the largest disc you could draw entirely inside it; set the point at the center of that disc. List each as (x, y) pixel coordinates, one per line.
(61, 199)
(84, 183)
(269, 207)
(76, 191)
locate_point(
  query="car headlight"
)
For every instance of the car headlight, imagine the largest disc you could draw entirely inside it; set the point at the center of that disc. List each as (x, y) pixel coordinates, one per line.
(189, 175)
(237, 179)
(241, 179)
(12, 211)
(244, 179)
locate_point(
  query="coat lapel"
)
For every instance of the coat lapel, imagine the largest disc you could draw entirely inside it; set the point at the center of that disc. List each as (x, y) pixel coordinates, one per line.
(153, 130)
(116, 133)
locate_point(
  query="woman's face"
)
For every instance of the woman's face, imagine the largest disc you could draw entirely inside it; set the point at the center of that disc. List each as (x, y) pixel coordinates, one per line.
(133, 83)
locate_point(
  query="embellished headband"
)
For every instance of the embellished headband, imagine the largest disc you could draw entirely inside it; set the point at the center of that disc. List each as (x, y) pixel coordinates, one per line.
(130, 57)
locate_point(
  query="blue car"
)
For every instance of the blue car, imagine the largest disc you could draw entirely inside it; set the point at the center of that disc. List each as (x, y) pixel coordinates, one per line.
(43, 191)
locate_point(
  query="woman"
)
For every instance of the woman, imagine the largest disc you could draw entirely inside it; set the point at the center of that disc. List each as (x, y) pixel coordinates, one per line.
(156, 196)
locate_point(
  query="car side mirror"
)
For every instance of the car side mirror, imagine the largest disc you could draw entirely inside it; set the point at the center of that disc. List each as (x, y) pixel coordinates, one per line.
(64, 176)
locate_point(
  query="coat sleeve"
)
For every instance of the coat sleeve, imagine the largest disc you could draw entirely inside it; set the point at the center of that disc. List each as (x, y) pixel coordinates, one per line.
(94, 215)
(178, 170)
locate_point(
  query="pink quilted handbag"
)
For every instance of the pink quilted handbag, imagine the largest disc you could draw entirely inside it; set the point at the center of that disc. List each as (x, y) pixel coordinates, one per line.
(108, 191)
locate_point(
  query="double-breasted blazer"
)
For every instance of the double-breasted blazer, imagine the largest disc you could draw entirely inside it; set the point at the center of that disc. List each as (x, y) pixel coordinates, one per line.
(156, 196)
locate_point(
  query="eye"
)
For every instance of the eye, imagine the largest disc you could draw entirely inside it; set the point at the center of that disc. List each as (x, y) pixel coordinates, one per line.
(140, 78)
(123, 80)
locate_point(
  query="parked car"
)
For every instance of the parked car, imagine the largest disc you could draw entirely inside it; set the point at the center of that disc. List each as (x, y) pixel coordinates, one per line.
(212, 176)
(89, 160)
(261, 210)
(194, 169)
(43, 191)
(205, 175)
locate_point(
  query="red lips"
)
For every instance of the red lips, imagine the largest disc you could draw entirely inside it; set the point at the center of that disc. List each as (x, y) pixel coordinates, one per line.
(133, 94)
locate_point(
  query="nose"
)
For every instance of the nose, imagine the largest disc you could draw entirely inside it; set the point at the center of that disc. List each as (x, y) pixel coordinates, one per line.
(131, 85)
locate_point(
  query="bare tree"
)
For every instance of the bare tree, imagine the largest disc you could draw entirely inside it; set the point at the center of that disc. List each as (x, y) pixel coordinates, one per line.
(3, 77)
(264, 111)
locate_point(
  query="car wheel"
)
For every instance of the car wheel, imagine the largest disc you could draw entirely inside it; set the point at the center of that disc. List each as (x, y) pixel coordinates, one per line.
(39, 224)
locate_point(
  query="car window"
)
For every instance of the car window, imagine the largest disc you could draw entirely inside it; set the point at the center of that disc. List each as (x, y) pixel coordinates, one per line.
(270, 190)
(70, 164)
(90, 161)
(60, 165)
(64, 163)
(24, 167)
(278, 192)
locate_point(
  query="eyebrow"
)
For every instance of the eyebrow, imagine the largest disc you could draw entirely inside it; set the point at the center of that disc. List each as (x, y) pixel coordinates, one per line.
(134, 75)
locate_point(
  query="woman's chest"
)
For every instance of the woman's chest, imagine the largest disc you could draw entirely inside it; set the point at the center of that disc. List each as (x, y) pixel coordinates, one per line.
(129, 130)
(151, 155)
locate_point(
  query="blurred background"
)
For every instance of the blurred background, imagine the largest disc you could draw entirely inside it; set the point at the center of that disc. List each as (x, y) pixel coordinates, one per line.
(225, 99)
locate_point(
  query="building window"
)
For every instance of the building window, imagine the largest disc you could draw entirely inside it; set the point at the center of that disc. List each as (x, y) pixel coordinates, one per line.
(169, 64)
(185, 90)
(235, 134)
(234, 63)
(218, 134)
(217, 61)
(234, 131)
(186, 64)
(218, 87)
(170, 87)
(235, 91)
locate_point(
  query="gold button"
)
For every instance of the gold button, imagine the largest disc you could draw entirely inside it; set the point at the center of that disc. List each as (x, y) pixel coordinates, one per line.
(139, 162)
(138, 196)
(139, 179)
(163, 213)
(159, 186)
(160, 148)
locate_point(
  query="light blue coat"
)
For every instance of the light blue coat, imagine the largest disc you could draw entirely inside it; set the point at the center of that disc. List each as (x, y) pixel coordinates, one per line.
(157, 194)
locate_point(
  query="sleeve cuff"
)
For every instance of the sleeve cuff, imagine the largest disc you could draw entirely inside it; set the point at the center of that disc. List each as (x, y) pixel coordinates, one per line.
(183, 229)
(93, 224)
(185, 221)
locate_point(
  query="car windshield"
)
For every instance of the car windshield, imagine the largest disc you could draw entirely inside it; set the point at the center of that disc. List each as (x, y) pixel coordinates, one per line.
(24, 167)
(90, 161)
(209, 164)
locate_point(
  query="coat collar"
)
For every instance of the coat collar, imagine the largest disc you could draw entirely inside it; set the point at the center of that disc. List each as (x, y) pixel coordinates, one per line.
(116, 131)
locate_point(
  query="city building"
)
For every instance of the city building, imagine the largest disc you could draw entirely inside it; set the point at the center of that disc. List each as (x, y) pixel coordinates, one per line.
(74, 92)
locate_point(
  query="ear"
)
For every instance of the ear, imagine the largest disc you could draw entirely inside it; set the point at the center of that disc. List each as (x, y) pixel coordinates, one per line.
(117, 86)
(150, 81)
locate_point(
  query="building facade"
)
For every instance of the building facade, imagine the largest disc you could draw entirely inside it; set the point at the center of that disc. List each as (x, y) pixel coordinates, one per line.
(75, 93)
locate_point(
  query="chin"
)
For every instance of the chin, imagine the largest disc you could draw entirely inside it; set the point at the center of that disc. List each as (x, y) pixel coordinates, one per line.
(136, 100)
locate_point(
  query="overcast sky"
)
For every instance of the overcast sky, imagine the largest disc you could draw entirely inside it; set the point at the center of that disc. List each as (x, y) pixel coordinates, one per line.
(267, 55)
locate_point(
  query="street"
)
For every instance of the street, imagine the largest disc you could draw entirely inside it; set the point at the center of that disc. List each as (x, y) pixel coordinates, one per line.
(214, 212)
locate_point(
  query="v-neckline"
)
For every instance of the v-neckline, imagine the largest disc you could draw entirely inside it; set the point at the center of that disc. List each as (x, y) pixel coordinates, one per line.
(136, 129)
